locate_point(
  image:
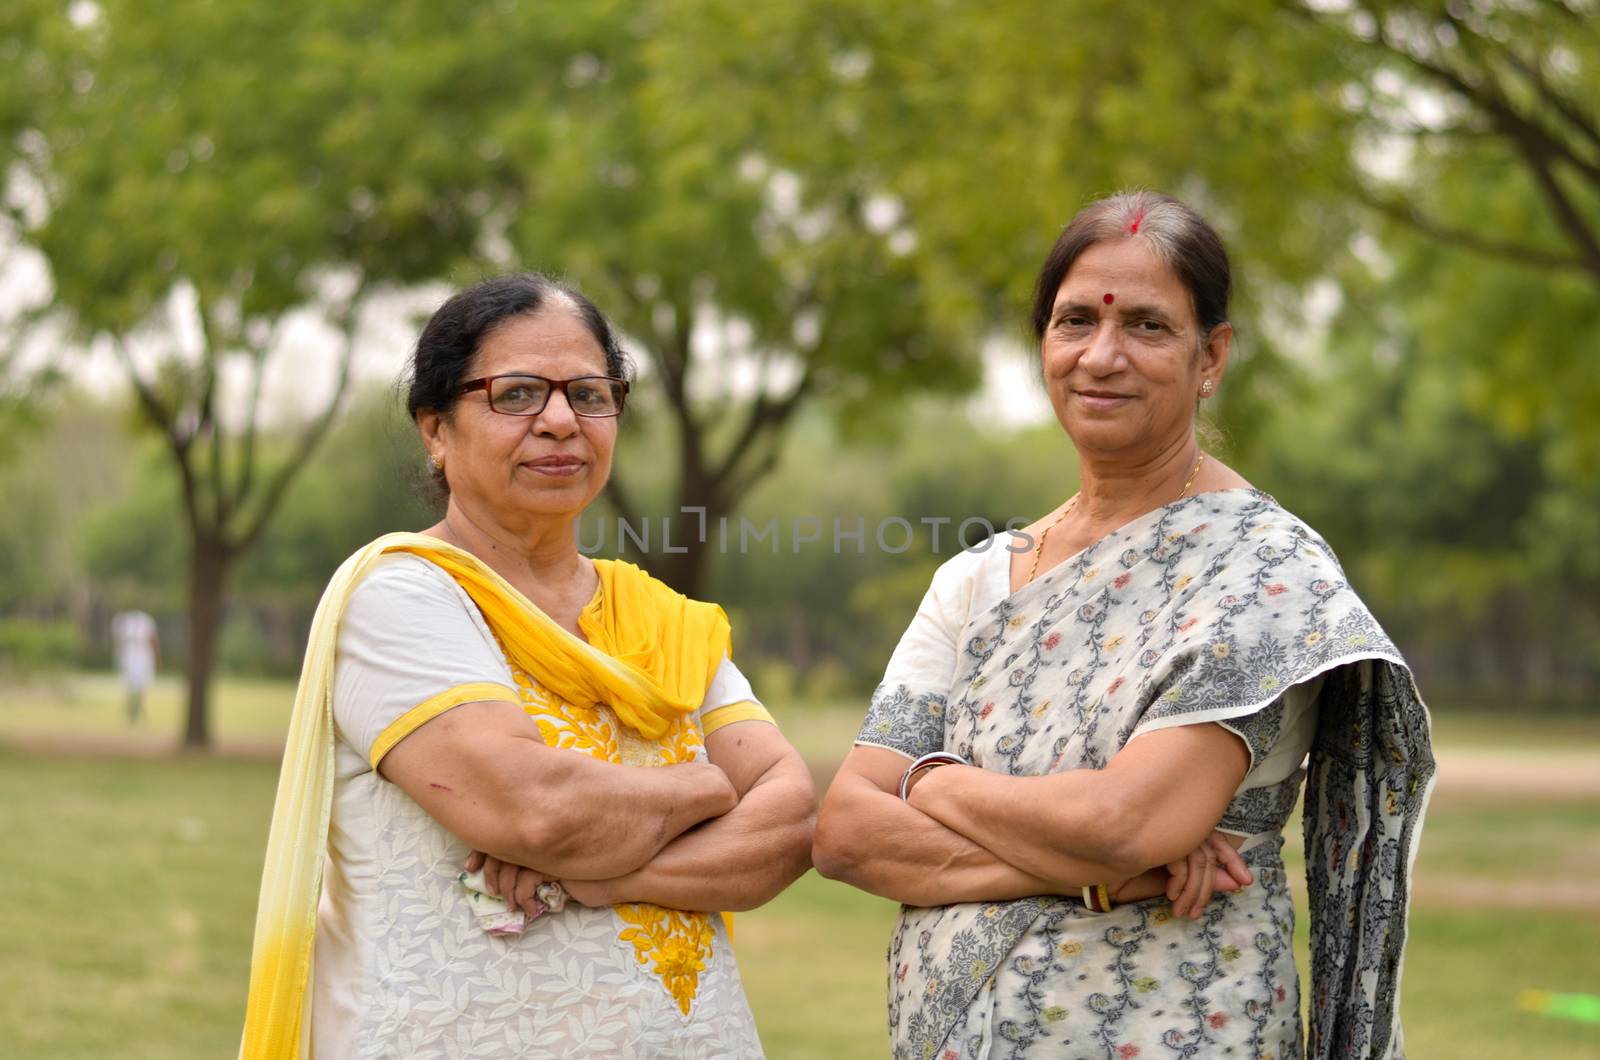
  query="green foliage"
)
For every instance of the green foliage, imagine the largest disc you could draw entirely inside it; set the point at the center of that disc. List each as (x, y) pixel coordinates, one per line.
(135, 546)
(806, 215)
(29, 647)
(366, 480)
(1473, 542)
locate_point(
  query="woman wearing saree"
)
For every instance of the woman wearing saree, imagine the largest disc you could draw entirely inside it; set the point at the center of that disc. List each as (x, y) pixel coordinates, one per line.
(1140, 673)
(537, 779)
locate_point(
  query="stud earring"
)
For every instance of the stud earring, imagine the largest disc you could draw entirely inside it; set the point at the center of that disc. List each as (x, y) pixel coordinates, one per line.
(1206, 388)
(438, 462)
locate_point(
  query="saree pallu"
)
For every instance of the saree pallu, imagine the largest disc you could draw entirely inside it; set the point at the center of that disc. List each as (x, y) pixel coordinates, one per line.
(1205, 610)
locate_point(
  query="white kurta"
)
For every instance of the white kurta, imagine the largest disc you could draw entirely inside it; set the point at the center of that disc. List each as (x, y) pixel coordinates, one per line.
(402, 969)
(133, 640)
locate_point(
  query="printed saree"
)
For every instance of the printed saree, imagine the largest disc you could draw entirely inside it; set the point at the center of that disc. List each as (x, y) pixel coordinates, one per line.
(1205, 610)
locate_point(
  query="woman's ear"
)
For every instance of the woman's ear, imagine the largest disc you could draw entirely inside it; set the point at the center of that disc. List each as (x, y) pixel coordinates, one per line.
(430, 424)
(1214, 352)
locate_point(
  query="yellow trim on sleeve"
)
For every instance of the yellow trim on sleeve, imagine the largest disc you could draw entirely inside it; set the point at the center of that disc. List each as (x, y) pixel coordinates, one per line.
(744, 710)
(432, 707)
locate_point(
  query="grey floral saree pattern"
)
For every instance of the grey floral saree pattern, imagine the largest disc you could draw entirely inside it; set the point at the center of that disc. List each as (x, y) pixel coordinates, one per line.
(1206, 610)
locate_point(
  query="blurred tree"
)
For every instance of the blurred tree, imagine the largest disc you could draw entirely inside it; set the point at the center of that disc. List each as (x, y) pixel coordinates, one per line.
(1479, 139)
(186, 171)
(694, 167)
(1510, 88)
(1316, 134)
(787, 207)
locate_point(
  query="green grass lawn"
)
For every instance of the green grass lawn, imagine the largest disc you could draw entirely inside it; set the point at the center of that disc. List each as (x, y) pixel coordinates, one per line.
(255, 711)
(128, 885)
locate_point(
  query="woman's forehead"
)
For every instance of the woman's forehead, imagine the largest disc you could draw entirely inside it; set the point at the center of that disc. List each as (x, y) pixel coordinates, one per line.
(1125, 269)
(552, 341)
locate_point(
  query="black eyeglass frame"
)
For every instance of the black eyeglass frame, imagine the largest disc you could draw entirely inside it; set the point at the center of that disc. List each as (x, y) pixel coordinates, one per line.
(485, 384)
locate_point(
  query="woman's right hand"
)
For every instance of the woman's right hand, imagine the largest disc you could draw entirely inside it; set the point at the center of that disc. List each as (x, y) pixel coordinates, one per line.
(511, 882)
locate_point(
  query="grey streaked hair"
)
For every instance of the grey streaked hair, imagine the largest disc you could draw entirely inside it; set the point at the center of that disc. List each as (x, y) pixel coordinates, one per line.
(1178, 235)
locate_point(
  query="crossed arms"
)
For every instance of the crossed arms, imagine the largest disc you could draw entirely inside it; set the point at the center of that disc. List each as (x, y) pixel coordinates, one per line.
(968, 835)
(725, 834)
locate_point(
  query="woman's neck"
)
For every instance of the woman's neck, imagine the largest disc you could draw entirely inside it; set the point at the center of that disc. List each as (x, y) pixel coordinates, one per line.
(540, 558)
(1111, 493)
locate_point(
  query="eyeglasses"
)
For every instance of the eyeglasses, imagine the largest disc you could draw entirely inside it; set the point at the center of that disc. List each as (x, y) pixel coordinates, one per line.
(527, 395)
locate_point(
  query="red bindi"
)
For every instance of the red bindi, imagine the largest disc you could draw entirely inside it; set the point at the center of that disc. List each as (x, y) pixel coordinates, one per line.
(1109, 298)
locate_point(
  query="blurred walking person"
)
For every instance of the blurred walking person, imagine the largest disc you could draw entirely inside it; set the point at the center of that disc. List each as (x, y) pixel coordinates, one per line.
(135, 646)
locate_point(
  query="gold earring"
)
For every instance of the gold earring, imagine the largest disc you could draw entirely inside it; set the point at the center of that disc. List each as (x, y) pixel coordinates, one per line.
(1206, 388)
(438, 462)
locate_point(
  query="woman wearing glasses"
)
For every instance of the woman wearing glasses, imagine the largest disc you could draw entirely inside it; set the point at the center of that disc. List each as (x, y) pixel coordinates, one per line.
(540, 777)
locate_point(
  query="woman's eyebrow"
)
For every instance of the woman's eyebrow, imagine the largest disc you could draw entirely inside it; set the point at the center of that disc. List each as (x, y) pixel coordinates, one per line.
(1065, 307)
(1147, 310)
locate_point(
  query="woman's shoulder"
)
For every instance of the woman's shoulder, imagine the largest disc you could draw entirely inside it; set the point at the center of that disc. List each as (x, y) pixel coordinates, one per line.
(977, 578)
(399, 583)
(405, 573)
(1258, 523)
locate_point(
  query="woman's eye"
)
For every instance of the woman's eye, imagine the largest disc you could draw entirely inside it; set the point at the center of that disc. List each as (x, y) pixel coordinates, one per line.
(1151, 326)
(1074, 322)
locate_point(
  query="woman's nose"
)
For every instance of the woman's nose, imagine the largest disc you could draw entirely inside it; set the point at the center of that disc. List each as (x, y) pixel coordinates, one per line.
(1104, 352)
(557, 418)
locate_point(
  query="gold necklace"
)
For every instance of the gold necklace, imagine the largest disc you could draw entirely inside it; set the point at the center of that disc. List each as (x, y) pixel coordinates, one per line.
(1045, 534)
(1072, 503)
(1185, 491)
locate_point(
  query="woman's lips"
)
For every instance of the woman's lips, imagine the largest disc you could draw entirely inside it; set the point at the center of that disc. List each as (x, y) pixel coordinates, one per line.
(1100, 401)
(555, 466)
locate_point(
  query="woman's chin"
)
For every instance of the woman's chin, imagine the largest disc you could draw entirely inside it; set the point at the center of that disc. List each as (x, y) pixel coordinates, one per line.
(1102, 433)
(546, 500)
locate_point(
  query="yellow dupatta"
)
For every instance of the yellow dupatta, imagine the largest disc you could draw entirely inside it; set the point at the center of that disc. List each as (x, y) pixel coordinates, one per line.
(650, 656)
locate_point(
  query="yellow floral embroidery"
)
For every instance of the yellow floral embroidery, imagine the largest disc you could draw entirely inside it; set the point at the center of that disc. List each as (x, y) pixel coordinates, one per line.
(674, 944)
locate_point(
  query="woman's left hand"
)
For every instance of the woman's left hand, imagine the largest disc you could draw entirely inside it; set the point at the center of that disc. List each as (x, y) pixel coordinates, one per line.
(511, 882)
(1194, 880)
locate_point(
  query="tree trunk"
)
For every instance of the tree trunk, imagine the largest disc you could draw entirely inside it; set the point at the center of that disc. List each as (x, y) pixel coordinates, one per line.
(686, 570)
(208, 571)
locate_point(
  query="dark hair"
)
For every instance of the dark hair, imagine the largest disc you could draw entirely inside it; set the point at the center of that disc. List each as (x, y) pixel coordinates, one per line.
(1178, 235)
(453, 334)
(455, 331)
